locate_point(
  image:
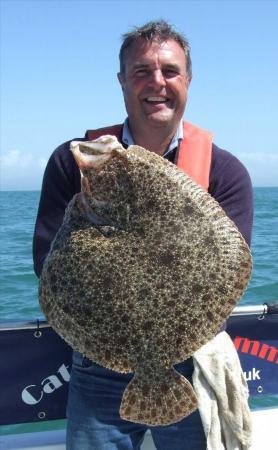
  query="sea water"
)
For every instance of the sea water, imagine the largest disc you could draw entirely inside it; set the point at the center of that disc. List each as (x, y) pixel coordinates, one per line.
(18, 284)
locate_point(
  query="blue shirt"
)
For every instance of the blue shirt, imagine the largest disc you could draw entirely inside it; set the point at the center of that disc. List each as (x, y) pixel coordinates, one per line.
(128, 139)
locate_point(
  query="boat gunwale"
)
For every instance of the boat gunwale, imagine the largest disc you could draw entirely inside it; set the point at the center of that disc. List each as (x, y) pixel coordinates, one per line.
(248, 310)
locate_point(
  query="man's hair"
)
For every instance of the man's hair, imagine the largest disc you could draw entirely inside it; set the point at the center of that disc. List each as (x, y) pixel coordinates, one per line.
(158, 31)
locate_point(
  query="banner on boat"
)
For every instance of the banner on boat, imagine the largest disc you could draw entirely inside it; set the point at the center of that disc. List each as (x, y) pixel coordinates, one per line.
(256, 341)
(34, 375)
(36, 362)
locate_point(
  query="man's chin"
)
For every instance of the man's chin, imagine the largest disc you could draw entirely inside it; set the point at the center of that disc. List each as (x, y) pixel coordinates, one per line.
(161, 119)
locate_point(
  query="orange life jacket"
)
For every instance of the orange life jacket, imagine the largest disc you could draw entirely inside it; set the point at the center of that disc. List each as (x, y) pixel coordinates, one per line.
(194, 155)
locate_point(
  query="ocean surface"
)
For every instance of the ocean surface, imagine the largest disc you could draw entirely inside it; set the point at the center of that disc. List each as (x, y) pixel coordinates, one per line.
(18, 284)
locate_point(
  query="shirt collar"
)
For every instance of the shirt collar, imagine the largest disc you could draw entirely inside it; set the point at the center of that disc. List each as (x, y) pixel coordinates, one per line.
(128, 139)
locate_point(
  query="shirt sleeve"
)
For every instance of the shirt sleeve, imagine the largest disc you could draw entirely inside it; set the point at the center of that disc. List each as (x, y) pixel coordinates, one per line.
(60, 182)
(230, 185)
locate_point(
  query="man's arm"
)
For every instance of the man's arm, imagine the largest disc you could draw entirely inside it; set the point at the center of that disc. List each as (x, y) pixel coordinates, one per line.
(231, 186)
(60, 182)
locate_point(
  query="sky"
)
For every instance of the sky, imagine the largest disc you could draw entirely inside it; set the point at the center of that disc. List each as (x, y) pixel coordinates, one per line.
(59, 61)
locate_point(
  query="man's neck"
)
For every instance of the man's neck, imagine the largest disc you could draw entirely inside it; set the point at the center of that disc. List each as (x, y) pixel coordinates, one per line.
(156, 140)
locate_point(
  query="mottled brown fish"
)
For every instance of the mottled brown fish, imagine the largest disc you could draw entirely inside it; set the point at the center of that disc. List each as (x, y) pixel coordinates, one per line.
(144, 270)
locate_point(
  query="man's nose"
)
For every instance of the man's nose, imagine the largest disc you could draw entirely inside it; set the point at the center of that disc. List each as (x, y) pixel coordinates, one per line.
(157, 78)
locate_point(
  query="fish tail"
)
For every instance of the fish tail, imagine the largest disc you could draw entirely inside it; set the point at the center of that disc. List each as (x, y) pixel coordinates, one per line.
(160, 402)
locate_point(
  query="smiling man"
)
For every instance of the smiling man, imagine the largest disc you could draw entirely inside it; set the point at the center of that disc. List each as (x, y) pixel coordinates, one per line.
(155, 74)
(154, 80)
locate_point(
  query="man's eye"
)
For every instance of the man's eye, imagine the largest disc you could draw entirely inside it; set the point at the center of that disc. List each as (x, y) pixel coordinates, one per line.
(141, 73)
(169, 73)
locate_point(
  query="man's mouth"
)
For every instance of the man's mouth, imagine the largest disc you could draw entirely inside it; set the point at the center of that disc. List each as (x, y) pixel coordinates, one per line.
(156, 100)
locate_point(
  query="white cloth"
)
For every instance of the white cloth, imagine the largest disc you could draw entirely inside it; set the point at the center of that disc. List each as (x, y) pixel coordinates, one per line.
(222, 395)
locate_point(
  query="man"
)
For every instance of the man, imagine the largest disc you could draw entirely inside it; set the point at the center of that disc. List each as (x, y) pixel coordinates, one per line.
(155, 73)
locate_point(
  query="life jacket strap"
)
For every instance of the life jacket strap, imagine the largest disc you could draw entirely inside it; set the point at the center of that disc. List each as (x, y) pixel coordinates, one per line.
(114, 130)
(195, 151)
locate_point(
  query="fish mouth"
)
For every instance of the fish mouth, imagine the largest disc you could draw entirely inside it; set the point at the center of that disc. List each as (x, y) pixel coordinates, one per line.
(94, 154)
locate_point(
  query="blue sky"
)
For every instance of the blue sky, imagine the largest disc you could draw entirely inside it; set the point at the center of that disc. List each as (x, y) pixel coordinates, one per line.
(59, 61)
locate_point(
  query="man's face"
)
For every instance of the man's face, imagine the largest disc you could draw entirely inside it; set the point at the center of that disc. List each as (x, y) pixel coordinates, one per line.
(155, 84)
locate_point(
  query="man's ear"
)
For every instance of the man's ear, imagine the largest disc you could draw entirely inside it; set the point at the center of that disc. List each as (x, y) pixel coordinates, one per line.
(121, 78)
(188, 81)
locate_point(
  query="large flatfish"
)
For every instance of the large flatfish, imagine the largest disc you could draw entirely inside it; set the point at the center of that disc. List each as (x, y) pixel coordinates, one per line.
(144, 270)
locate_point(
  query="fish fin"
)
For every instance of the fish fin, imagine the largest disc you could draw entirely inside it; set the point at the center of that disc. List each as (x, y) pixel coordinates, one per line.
(159, 403)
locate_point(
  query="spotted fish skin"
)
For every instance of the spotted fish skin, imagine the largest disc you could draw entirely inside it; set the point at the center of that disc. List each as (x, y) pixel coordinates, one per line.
(144, 271)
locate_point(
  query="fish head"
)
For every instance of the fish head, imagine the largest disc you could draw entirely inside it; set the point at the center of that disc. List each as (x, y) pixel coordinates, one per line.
(91, 156)
(103, 187)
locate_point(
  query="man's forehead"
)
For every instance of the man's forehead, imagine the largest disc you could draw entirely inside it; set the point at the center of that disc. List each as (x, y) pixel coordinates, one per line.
(143, 51)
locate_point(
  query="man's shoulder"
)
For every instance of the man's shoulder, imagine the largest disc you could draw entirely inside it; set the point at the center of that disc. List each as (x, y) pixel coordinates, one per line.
(221, 155)
(61, 161)
(115, 130)
(62, 151)
(225, 160)
(226, 171)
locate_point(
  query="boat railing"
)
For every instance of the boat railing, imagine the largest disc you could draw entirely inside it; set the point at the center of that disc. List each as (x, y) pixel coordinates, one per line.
(261, 311)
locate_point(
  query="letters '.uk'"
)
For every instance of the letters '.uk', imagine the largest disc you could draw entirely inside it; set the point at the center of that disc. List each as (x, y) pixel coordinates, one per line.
(252, 375)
